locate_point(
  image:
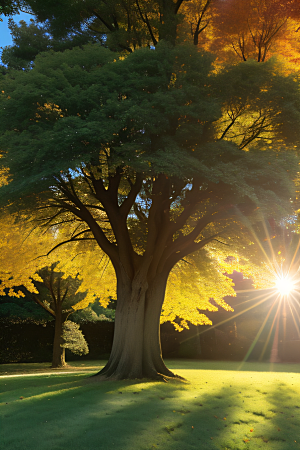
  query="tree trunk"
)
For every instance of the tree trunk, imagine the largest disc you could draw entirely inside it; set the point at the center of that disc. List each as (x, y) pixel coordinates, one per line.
(126, 355)
(169, 21)
(153, 364)
(58, 357)
(136, 350)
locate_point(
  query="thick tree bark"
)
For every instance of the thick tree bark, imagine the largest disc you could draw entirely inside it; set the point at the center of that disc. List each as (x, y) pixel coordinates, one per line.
(126, 356)
(153, 364)
(136, 351)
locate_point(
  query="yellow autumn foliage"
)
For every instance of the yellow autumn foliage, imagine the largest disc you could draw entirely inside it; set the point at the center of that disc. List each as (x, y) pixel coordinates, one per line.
(93, 268)
(192, 284)
(24, 251)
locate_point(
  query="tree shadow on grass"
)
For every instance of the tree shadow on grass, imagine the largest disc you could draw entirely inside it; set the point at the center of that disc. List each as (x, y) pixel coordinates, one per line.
(45, 368)
(28, 387)
(285, 408)
(258, 418)
(62, 413)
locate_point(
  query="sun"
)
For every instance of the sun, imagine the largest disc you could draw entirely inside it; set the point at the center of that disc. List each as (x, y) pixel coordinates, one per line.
(284, 285)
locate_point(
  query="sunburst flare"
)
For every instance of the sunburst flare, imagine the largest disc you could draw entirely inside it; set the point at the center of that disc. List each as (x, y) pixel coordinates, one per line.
(285, 285)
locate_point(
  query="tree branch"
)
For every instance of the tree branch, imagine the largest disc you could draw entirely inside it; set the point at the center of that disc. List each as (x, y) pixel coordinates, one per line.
(106, 24)
(83, 213)
(198, 30)
(65, 294)
(72, 239)
(46, 308)
(51, 286)
(130, 199)
(193, 247)
(146, 21)
(177, 5)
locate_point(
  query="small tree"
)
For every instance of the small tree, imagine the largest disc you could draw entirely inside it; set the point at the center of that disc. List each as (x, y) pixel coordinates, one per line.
(59, 288)
(57, 295)
(74, 339)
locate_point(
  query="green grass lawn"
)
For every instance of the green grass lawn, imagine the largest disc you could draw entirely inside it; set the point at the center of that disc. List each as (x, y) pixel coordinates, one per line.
(221, 406)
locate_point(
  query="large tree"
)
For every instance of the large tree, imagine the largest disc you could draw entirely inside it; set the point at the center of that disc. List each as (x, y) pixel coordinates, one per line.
(155, 156)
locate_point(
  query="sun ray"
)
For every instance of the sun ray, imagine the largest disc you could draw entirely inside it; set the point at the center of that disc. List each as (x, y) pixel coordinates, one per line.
(260, 293)
(274, 357)
(295, 253)
(285, 275)
(264, 299)
(295, 308)
(292, 309)
(270, 331)
(257, 335)
(269, 240)
(250, 227)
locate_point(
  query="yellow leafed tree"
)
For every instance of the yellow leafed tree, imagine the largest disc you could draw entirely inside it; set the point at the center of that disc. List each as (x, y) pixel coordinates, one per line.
(58, 281)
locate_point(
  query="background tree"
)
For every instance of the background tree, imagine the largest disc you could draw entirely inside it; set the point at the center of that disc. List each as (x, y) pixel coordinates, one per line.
(257, 29)
(126, 25)
(198, 17)
(58, 295)
(168, 172)
(31, 39)
(231, 27)
(57, 288)
(9, 7)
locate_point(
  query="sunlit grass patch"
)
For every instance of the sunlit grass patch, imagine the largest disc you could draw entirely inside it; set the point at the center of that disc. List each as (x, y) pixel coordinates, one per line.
(218, 407)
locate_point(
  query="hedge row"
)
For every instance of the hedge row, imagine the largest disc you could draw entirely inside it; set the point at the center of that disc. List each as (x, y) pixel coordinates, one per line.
(27, 342)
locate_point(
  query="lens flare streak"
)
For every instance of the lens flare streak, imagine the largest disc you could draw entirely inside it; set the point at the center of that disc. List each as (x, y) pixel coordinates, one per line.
(285, 285)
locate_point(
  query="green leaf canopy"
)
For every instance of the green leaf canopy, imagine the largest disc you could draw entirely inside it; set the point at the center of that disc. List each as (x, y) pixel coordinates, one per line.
(156, 111)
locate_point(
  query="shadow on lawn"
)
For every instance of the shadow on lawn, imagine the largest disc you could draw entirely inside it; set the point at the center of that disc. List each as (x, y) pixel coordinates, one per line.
(285, 407)
(263, 420)
(62, 413)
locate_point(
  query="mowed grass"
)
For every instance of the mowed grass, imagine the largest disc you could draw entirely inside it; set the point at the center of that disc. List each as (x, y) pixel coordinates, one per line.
(220, 406)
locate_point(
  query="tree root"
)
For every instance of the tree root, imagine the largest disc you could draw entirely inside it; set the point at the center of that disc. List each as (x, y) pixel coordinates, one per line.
(100, 377)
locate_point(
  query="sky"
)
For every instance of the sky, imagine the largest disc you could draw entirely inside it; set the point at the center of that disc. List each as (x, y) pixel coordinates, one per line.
(5, 37)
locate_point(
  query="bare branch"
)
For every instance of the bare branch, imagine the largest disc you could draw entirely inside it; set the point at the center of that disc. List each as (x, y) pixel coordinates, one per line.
(38, 301)
(198, 29)
(66, 242)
